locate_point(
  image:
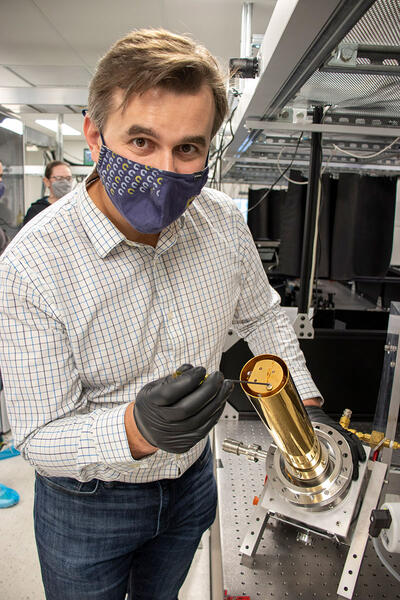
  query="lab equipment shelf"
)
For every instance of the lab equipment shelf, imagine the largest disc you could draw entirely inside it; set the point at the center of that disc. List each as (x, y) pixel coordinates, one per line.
(344, 56)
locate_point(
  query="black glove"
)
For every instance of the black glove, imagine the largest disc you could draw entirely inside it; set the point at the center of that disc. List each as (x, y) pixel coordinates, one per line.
(357, 451)
(177, 411)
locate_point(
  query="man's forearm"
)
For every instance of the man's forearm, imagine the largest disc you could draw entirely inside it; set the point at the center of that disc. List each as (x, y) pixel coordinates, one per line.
(139, 447)
(312, 402)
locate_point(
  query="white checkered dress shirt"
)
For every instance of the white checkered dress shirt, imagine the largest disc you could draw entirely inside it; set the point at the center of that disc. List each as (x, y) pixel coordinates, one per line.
(87, 319)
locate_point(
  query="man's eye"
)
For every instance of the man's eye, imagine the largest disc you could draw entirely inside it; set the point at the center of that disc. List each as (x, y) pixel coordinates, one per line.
(139, 142)
(188, 149)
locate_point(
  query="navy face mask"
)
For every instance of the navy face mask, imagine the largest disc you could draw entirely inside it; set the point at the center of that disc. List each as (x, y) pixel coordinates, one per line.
(2, 189)
(149, 199)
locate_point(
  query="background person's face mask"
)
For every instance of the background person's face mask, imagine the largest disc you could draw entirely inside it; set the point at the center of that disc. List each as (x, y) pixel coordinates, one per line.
(2, 189)
(149, 199)
(61, 188)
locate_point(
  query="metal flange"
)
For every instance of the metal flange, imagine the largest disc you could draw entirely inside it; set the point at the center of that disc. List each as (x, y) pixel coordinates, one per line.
(325, 491)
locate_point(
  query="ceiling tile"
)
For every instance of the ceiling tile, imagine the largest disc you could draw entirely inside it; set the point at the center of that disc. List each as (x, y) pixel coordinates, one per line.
(42, 75)
(19, 108)
(9, 79)
(55, 108)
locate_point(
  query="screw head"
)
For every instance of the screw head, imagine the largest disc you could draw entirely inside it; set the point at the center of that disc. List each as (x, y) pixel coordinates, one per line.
(346, 54)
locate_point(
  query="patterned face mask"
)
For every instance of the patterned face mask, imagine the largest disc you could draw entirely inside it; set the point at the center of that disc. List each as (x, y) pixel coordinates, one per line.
(149, 199)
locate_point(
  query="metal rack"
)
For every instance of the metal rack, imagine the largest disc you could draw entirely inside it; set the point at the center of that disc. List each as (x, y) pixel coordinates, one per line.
(328, 79)
(342, 55)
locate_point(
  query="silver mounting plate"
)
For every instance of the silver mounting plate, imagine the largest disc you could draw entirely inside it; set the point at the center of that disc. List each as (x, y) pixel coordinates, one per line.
(335, 521)
(283, 567)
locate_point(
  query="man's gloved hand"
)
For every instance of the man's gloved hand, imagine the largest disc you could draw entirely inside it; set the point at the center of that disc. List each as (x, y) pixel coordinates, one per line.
(177, 411)
(357, 451)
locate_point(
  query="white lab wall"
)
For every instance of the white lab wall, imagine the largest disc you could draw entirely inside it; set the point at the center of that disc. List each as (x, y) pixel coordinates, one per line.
(73, 150)
(395, 260)
(33, 183)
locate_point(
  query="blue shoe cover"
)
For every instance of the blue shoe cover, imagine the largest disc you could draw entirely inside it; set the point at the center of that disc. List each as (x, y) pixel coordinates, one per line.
(8, 453)
(8, 497)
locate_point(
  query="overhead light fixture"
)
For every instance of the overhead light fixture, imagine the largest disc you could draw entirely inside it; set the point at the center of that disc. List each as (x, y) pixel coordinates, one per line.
(14, 125)
(53, 126)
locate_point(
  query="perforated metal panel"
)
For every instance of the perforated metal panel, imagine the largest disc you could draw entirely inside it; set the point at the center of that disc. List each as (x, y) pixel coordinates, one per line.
(283, 567)
(379, 25)
(361, 94)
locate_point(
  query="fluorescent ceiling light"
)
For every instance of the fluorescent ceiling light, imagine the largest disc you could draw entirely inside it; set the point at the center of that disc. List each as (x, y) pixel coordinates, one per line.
(14, 125)
(53, 126)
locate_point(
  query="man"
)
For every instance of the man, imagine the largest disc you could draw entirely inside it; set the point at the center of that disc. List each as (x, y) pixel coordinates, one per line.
(58, 180)
(106, 303)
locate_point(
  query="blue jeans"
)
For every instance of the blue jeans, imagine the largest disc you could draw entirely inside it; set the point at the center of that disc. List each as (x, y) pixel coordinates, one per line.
(100, 540)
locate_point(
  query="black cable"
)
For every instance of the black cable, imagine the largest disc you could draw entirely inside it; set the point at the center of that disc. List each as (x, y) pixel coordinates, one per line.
(220, 150)
(226, 146)
(264, 196)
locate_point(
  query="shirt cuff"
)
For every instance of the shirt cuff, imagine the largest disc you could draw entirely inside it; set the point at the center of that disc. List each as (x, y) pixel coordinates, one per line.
(111, 438)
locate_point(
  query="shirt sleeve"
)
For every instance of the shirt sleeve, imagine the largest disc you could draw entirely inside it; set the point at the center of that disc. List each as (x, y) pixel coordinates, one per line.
(47, 409)
(262, 322)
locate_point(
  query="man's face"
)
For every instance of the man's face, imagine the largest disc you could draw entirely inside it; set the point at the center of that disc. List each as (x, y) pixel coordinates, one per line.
(1, 171)
(58, 172)
(159, 128)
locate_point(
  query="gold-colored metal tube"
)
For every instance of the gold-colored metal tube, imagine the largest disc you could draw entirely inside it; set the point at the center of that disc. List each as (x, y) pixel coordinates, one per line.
(282, 412)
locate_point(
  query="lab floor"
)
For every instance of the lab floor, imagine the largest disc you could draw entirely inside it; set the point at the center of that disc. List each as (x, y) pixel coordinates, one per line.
(19, 567)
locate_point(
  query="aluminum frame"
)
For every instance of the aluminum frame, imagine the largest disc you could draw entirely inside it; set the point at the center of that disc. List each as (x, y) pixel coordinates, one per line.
(303, 29)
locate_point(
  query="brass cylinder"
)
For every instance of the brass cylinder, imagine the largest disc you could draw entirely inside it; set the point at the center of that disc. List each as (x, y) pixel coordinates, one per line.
(282, 412)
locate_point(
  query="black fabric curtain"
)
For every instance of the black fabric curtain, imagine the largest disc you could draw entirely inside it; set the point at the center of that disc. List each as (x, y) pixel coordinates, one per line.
(325, 226)
(356, 224)
(264, 220)
(280, 216)
(292, 226)
(257, 216)
(363, 226)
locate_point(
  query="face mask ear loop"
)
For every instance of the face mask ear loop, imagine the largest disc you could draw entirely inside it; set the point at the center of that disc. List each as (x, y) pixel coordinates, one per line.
(102, 139)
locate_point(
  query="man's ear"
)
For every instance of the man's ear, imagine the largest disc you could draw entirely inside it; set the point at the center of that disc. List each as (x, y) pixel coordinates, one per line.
(93, 137)
(46, 182)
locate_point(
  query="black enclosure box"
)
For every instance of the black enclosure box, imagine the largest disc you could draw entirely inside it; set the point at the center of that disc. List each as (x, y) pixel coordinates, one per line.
(346, 364)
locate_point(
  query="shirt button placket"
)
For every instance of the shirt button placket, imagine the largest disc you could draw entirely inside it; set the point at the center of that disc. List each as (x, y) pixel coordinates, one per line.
(166, 293)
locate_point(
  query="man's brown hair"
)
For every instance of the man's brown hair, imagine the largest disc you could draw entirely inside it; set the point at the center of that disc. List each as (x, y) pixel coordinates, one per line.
(147, 58)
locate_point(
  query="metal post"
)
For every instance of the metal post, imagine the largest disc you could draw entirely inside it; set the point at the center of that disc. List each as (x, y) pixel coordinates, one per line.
(394, 405)
(215, 548)
(303, 326)
(60, 148)
(245, 42)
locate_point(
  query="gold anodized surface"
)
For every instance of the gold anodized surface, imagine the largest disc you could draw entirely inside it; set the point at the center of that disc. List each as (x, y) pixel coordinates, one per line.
(267, 371)
(280, 408)
(265, 368)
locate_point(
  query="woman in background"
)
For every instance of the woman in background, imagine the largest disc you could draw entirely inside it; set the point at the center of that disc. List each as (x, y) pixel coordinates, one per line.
(58, 179)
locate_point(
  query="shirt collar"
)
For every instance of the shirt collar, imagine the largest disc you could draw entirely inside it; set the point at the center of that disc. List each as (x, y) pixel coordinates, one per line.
(104, 235)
